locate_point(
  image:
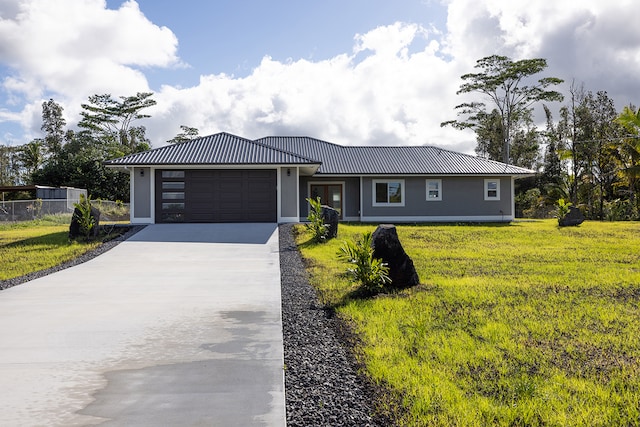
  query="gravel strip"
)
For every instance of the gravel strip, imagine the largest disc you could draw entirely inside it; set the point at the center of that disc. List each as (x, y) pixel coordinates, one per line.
(322, 387)
(4, 284)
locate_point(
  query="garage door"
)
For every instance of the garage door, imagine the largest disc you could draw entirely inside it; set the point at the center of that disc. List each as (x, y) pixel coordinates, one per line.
(216, 196)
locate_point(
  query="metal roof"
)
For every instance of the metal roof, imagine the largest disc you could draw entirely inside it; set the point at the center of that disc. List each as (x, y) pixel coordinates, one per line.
(219, 149)
(227, 149)
(396, 160)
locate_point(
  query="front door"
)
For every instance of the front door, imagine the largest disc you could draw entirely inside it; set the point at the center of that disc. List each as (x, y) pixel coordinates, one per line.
(330, 195)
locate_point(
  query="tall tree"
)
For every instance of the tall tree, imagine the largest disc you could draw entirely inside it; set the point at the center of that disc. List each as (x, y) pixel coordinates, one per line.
(504, 83)
(186, 134)
(598, 126)
(111, 121)
(53, 125)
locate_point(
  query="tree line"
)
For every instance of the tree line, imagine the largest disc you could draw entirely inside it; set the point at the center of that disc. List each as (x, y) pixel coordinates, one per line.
(109, 128)
(588, 155)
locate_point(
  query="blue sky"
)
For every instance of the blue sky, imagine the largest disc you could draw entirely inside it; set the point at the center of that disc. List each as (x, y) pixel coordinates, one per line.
(351, 72)
(233, 36)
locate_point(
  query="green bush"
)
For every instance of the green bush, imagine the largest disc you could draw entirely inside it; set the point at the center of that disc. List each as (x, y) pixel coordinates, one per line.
(370, 272)
(316, 224)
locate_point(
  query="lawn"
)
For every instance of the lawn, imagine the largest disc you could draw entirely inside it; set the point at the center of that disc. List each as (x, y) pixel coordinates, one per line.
(520, 324)
(26, 247)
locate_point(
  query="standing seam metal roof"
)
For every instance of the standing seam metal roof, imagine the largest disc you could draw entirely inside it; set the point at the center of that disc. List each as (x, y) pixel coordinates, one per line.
(226, 149)
(385, 160)
(218, 149)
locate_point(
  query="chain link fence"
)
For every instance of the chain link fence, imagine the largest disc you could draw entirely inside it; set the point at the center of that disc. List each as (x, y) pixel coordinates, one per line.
(27, 210)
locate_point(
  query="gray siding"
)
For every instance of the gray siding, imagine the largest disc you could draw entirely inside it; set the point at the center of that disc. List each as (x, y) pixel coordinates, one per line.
(141, 193)
(288, 191)
(461, 197)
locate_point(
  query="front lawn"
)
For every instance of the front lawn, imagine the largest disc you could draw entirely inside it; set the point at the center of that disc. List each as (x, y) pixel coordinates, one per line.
(520, 324)
(31, 246)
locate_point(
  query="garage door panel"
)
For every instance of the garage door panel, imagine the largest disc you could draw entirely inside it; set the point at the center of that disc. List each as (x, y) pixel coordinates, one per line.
(228, 196)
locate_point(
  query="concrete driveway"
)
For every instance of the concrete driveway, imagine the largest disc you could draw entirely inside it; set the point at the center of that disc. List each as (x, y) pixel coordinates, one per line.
(178, 326)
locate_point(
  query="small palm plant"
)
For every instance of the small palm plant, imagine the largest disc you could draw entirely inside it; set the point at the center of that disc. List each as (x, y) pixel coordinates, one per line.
(85, 219)
(316, 224)
(562, 210)
(370, 272)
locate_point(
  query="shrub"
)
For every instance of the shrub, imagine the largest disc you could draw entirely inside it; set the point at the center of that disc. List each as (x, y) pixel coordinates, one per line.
(370, 272)
(316, 223)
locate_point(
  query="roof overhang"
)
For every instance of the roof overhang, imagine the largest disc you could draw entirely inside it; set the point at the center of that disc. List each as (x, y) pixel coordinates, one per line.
(304, 169)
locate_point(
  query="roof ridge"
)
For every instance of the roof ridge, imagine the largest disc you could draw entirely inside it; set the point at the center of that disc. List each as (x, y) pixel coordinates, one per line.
(304, 137)
(298, 155)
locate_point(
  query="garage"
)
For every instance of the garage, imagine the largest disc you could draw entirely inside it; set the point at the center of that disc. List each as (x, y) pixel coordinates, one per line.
(216, 195)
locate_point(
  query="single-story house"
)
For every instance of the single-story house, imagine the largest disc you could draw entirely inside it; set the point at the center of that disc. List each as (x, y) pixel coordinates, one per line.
(226, 178)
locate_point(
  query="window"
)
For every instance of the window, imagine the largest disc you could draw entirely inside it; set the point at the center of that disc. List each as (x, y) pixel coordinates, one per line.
(172, 206)
(173, 185)
(172, 196)
(434, 189)
(388, 193)
(492, 189)
(173, 174)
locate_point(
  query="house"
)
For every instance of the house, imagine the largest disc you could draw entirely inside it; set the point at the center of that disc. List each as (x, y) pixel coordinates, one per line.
(226, 178)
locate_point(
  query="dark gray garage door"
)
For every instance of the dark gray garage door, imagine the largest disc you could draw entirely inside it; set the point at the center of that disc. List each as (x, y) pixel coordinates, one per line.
(216, 196)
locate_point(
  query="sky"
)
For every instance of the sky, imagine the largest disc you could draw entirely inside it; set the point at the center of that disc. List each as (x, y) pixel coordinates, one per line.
(352, 72)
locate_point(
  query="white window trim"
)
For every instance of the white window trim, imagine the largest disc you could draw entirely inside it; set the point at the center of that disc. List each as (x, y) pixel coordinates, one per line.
(486, 189)
(387, 181)
(434, 199)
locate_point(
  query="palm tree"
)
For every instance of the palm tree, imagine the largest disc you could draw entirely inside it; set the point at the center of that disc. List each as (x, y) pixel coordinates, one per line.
(32, 156)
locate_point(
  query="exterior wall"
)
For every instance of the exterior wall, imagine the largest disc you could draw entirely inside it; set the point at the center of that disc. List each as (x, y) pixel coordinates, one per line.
(288, 195)
(141, 195)
(350, 195)
(462, 200)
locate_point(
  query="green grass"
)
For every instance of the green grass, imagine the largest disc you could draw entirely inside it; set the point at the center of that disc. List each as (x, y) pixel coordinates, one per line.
(521, 324)
(31, 246)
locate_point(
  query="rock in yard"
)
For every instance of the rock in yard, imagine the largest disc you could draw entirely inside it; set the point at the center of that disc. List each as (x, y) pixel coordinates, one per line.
(387, 246)
(574, 217)
(330, 216)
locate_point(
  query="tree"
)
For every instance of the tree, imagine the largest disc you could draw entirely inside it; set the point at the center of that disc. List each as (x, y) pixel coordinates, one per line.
(9, 165)
(552, 166)
(627, 152)
(187, 134)
(598, 127)
(31, 156)
(53, 126)
(503, 81)
(112, 121)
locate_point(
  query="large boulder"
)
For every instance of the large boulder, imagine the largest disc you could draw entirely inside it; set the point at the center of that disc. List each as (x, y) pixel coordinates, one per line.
(330, 217)
(75, 230)
(574, 217)
(387, 246)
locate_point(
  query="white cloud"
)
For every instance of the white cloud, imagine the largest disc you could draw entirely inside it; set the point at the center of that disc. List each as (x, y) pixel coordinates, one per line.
(69, 49)
(395, 86)
(381, 94)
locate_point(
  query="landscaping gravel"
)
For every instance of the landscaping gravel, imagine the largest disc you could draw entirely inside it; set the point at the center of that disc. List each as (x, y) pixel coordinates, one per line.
(322, 385)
